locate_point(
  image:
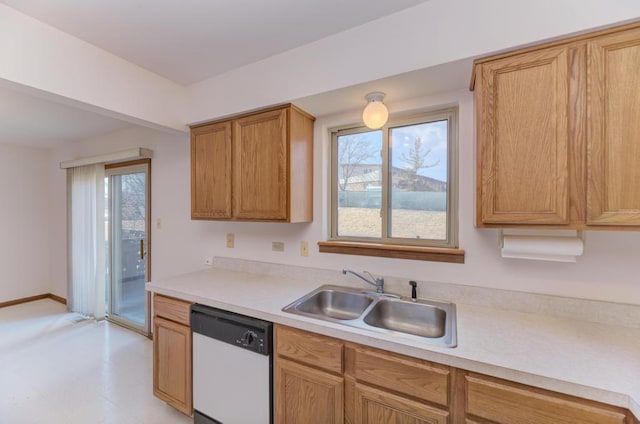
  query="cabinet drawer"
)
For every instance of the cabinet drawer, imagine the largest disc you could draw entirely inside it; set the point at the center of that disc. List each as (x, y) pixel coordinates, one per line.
(409, 376)
(312, 349)
(511, 403)
(171, 309)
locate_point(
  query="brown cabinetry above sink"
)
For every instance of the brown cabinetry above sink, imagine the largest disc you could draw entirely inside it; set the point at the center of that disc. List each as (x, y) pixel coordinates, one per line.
(254, 167)
(558, 136)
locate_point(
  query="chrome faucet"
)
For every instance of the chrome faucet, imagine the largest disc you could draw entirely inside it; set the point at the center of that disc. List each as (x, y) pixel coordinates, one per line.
(378, 282)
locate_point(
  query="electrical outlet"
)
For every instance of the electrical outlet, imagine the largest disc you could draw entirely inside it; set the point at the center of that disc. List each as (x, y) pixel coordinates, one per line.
(208, 260)
(277, 246)
(304, 248)
(158, 223)
(231, 239)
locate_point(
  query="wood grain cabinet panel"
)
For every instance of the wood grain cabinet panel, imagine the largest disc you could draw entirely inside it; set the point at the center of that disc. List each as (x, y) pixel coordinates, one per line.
(307, 395)
(260, 166)
(523, 138)
(506, 403)
(172, 309)
(409, 376)
(254, 167)
(374, 406)
(211, 171)
(613, 138)
(309, 348)
(558, 134)
(374, 386)
(172, 372)
(320, 379)
(172, 347)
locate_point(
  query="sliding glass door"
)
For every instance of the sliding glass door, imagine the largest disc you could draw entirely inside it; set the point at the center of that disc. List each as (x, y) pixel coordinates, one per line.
(128, 244)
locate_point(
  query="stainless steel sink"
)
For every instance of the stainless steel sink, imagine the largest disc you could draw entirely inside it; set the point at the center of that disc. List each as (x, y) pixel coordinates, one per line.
(426, 320)
(408, 317)
(335, 304)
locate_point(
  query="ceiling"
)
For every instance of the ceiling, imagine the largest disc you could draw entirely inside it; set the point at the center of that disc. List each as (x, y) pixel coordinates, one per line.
(410, 85)
(29, 120)
(190, 40)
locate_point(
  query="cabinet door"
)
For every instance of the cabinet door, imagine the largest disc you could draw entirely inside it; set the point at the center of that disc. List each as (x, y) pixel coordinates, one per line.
(523, 125)
(260, 166)
(374, 406)
(613, 135)
(172, 364)
(306, 395)
(211, 171)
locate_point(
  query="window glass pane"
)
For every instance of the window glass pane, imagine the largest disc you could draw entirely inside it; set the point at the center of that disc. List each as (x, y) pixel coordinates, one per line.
(359, 182)
(418, 197)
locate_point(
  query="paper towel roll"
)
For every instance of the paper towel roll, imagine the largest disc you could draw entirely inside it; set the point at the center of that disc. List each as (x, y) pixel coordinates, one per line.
(542, 248)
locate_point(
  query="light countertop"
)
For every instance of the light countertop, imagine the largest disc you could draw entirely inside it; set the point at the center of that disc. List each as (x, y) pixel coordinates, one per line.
(589, 360)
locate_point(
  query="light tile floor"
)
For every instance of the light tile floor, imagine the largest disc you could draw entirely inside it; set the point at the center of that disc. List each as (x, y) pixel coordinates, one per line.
(58, 368)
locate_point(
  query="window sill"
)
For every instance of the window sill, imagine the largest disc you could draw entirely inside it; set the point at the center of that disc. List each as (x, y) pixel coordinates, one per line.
(433, 254)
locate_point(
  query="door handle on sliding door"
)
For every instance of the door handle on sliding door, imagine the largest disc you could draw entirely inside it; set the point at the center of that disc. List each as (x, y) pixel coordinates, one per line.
(141, 249)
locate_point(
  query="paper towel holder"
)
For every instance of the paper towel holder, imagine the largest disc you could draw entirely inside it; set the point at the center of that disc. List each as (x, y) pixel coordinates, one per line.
(579, 234)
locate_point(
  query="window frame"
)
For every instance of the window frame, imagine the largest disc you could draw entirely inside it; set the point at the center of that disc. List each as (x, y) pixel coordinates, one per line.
(451, 242)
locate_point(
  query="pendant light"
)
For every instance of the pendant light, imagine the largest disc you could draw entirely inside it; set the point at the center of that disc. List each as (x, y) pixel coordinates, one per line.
(375, 114)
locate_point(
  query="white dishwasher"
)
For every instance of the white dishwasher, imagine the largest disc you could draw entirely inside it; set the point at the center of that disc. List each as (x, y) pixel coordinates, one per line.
(232, 367)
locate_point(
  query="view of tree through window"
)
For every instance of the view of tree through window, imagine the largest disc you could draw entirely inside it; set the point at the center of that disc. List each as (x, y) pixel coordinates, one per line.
(131, 195)
(360, 184)
(418, 154)
(415, 179)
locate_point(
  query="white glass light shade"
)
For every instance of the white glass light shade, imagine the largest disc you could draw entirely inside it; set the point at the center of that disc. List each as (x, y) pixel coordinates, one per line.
(375, 114)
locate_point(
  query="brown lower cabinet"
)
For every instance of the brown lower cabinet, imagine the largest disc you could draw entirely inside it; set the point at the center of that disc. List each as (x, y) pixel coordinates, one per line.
(498, 401)
(307, 395)
(324, 380)
(172, 374)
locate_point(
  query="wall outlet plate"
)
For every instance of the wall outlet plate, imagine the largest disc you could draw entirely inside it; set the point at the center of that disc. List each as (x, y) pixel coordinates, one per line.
(231, 240)
(304, 248)
(277, 246)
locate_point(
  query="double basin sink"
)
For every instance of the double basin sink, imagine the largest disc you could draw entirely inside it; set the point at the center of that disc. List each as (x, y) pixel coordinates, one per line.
(429, 321)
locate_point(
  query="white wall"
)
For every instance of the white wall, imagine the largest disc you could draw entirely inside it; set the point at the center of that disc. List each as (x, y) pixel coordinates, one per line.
(607, 271)
(175, 247)
(24, 236)
(432, 33)
(45, 61)
(435, 32)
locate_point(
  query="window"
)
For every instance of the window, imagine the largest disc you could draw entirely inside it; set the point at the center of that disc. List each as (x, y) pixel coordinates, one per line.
(396, 186)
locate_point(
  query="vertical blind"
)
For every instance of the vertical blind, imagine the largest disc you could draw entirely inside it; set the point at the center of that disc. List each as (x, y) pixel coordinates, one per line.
(87, 235)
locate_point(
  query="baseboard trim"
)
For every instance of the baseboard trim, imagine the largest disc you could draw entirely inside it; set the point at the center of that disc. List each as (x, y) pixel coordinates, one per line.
(33, 299)
(57, 298)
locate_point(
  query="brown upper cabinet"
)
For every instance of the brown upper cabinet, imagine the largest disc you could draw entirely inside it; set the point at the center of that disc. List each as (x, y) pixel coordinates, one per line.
(254, 167)
(558, 134)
